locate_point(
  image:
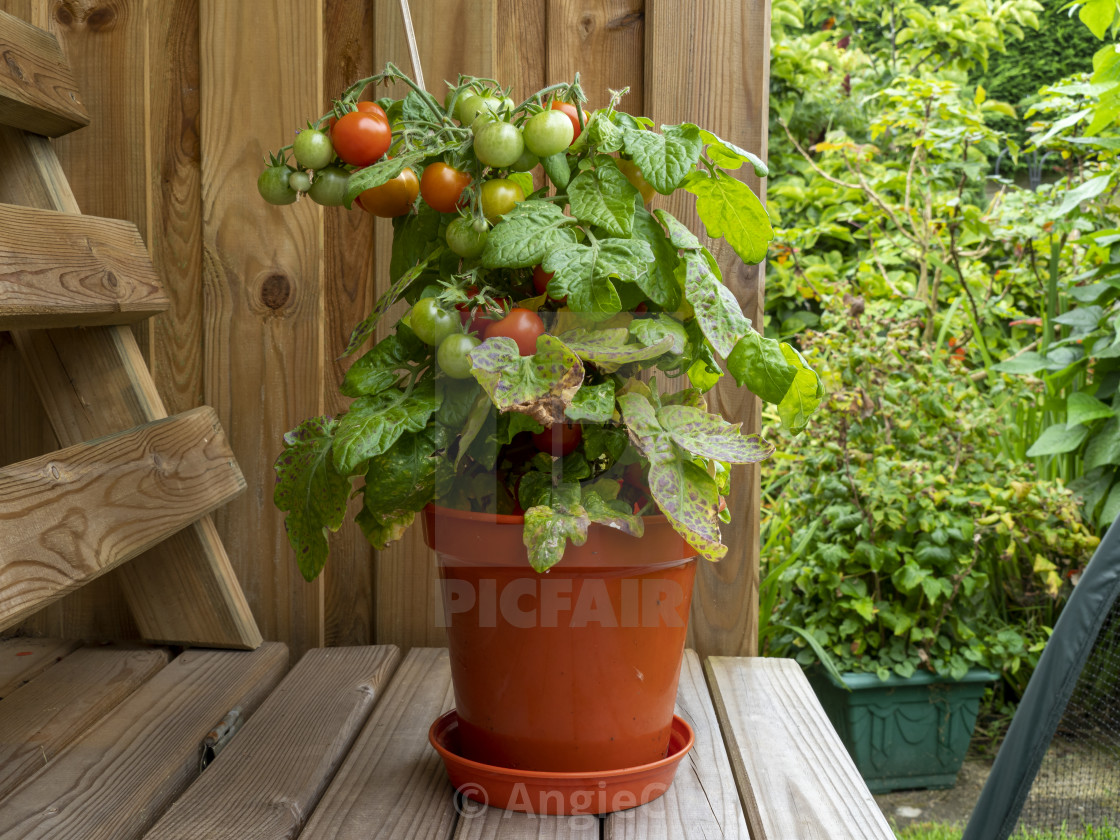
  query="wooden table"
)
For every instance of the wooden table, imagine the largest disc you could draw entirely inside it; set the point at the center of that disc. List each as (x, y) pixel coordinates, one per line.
(105, 742)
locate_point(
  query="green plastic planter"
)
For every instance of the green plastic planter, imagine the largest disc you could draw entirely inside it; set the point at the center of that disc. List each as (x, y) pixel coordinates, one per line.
(904, 732)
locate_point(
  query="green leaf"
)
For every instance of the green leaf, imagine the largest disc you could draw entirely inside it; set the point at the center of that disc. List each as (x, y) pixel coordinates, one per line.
(717, 310)
(365, 329)
(1088, 190)
(542, 385)
(312, 492)
(804, 395)
(1024, 363)
(760, 364)
(374, 423)
(600, 512)
(730, 209)
(659, 281)
(665, 158)
(547, 531)
(710, 436)
(688, 497)
(583, 273)
(380, 368)
(402, 479)
(679, 234)
(1083, 408)
(726, 154)
(592, 403)
(604, 197)
(528, 233)
(557, 170)
(608, 348)
(653, 331)
(1097, 15)
(1057, 439)
(1104, 447)
(641, 420)
(1111, 508)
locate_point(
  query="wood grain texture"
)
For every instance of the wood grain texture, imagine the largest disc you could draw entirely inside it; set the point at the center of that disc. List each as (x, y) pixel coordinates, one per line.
(45, 715)
(479, 822)
(94, 382)
(175, 232)
(707, 62)
(116, 780)
(348, 296)
(795, 778)
(603, 41)
(21, 660)
(702, 801)
(70, 516)
(392, 783)
(262, 269)
(67, 270)
(286, 753)
(405, 573)
(37, 89)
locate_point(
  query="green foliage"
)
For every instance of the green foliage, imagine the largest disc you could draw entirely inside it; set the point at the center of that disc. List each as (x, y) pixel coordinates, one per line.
(931, 549)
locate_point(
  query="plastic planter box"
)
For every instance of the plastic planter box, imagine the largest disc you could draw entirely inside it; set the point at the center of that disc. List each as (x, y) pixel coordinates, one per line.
(904, 732)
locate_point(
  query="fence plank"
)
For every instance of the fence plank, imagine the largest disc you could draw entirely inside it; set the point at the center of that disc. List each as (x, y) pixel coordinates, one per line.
(72, 515)
(47, 714)
(348, 296)
(115, 781)
(263, 268)
(37, 89)
(721, 82)
(63, 270)
(602, 40)
(21, 660)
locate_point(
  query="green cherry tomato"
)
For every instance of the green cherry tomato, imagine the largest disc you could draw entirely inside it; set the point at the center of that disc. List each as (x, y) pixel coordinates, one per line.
(299, 181)
(313, 148)
(548, 133)
(452, 355)
(472, 106)
(431, 322)
(273, 185)
(526, 162)
(329, 186)
(498, 144)
(499, 196)
(463, 239)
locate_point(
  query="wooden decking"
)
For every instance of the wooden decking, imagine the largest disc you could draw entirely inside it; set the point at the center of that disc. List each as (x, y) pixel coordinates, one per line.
(106, 742)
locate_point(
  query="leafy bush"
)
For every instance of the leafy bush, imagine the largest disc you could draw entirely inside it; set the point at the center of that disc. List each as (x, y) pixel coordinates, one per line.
(931, 548)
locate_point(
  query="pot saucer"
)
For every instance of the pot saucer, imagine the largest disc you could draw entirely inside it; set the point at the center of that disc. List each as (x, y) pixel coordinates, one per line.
(542, 792)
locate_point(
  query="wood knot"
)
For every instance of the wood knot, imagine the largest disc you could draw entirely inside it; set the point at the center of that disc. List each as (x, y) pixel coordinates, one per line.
(626, 21)
(14, 69)
(275, 291)
(64, 14)
(111, 280)
(586, 24)
(101, 19)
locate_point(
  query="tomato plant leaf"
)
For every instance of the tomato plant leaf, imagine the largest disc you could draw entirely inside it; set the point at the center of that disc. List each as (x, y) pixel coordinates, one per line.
(604, 197)
(608, 349)
(666, 158)
(726, 154)
(582, 272)
(602, 513)
(541, 385)
(730, 209)
(717, 310)
(651, 331)
(593, 403)
(379, 531)
(688, 497)
(547, 531)
(311, 491)
(804, 395)
(557, 169)
(402, 479)
(374, 423)
(760, 364)
(710, 436)
(380, 367)
(659, 281)
(365, 329)
(526, 235)
(679, 234)
(645, 431)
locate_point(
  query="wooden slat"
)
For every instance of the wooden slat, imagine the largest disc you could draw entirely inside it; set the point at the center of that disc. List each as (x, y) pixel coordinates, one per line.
(263, 275)
(67, 270)
(794, 775)
(710, 65)
(702, 802)
(114, 782)
(480, 822)
(393, 783)
(287, 752)
(70, 516)
(37, 88)
(94, 382)
(602, 40)
(348, 296)
(44, 716)
(21, 660)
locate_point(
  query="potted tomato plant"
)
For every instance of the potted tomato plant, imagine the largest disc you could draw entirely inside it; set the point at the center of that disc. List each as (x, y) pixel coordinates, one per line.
(514, 402)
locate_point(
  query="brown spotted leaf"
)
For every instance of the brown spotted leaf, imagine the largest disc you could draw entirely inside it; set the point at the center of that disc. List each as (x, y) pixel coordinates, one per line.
(608, 349)
(641, 422)
(541, 385)
(547, 531)
(710, 436)
(688, 497)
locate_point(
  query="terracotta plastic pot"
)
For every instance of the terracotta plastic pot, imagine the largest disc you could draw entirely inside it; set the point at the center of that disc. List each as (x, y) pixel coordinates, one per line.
(572, 670)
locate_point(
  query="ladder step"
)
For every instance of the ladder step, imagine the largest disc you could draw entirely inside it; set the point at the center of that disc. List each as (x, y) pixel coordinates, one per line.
(70, 516)
(69, 270)
(37, 88)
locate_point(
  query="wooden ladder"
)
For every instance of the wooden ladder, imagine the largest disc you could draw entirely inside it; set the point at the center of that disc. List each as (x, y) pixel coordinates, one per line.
(132, 483)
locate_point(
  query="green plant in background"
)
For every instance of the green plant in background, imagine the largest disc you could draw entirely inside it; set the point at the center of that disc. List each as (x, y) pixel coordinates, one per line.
(931, 548)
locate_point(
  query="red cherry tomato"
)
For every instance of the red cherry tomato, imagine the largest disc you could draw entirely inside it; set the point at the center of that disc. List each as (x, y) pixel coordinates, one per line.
(393, 198)
(523, 326)
(559, 439)
(573, 115)
(441, 186)
(361, 138)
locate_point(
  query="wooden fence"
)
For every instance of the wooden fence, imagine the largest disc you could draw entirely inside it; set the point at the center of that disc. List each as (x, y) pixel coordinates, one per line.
(186, 96)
